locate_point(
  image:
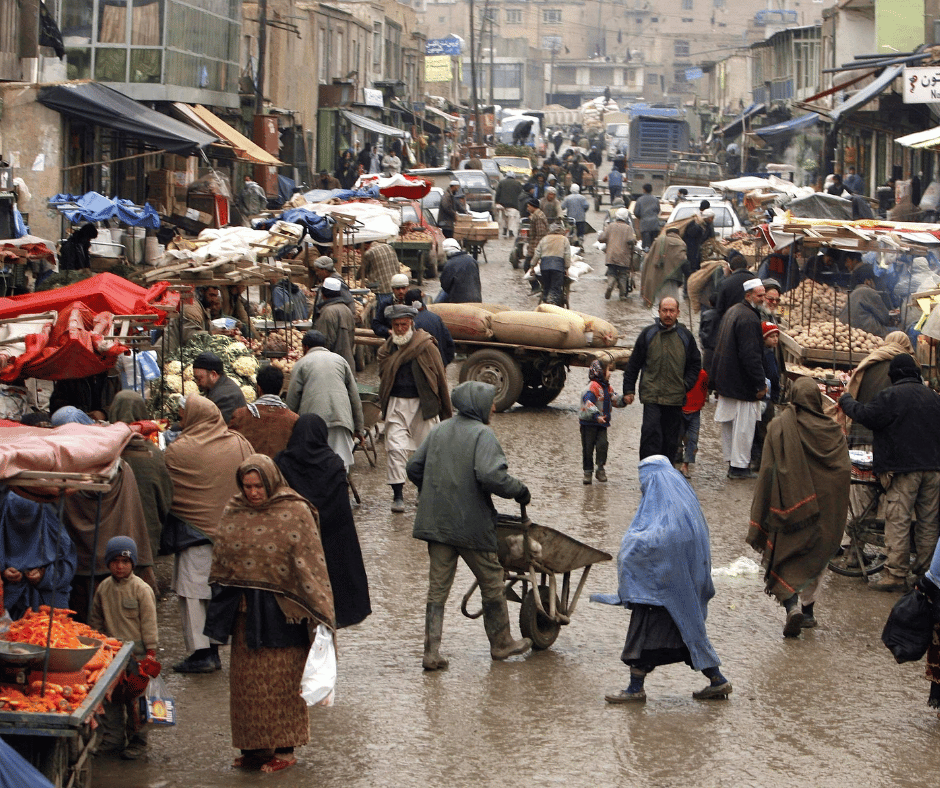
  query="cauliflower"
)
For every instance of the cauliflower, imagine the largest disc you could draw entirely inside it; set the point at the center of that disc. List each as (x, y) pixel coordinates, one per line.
(237, 350)
(188, 372)
(174, 383)
(173, 368)
(245, 366)
(190, 387)
(249, 392)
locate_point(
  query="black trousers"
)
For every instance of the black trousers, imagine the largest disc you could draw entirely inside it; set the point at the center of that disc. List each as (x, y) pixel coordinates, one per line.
(553, 287)
(593, 438)
(660, 431)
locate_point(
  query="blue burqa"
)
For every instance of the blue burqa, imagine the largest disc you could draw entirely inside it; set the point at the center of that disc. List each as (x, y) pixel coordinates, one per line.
(28, 541)
(665, 558)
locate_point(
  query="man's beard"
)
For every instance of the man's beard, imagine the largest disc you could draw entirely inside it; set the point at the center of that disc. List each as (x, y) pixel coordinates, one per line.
(403, 339)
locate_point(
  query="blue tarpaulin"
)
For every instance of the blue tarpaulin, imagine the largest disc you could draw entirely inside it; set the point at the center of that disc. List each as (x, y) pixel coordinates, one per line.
(322, 195)
(319, 228)
(94, 207)
(788, 127)
(17, 772)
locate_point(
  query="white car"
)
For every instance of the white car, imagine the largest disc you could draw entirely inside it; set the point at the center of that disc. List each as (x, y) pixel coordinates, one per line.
(726, 220)
(696, 194)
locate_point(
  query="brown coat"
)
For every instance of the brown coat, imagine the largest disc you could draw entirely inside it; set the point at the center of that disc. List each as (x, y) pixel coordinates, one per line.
(429, 374)
(620, 240)
(267, 434)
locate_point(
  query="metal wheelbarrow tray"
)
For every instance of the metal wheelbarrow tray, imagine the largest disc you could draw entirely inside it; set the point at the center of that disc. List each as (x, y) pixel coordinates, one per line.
(543, 551)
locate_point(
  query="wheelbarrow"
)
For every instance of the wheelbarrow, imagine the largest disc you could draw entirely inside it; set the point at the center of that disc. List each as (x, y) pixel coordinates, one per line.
(525, 550)
(371, 416)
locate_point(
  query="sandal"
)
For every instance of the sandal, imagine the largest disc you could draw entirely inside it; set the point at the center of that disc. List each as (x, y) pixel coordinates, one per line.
(276, 764)
(250, 763)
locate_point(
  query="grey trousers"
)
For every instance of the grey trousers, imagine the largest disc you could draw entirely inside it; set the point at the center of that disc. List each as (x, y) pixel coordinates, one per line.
(485, 567)
(911, 496)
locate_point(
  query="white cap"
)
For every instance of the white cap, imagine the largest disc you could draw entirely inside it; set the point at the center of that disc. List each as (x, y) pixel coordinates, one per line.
(551, 190)
(622, 215)
(750, 284)
(575, 189)
(451, 246)
(708, 213)
(455, 183)
(332, 284)
(400, 280)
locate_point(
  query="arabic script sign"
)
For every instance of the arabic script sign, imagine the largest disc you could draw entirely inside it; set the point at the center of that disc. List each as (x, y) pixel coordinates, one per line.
(921, 85)
(442, 46)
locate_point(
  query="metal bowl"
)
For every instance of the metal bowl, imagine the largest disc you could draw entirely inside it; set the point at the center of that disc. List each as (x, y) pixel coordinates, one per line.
(61, 660)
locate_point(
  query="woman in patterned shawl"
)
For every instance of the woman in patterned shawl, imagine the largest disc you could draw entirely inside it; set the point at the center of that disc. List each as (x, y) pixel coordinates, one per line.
(270, 591)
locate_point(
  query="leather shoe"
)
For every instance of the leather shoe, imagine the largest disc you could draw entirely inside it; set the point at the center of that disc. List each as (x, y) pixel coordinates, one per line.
(204, 664)
(888, 582)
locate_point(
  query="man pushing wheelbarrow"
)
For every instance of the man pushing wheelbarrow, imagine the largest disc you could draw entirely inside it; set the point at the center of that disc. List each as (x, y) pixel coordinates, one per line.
(457, 469)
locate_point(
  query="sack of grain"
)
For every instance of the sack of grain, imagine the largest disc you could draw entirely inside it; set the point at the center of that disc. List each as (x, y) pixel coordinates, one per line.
(539, 329)
(605, 334)
(494, 308)
(464, 321)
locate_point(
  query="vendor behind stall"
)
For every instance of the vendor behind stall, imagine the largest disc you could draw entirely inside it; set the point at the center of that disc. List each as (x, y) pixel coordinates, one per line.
(74, 254)
(322, 268)
(865, 308)
(216, 386)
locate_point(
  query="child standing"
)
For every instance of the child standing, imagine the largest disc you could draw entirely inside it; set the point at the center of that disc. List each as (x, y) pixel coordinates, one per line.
(125, 609)
(772, 373)
(594, 418)
(691, 422)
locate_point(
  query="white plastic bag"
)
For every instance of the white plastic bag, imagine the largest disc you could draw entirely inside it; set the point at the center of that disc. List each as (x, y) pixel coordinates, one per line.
(317, 687)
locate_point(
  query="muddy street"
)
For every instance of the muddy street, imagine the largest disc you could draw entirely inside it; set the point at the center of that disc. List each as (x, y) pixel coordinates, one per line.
(827, 709)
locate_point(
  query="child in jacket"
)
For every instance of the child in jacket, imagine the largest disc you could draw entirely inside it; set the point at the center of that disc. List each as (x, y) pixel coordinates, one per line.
(594, 418)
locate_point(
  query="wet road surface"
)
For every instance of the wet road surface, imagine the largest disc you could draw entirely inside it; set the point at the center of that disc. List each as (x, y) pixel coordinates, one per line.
(829, 709)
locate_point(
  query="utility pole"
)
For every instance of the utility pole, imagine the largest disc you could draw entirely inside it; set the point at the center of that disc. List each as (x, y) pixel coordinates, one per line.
(473, 77)
(492, 101)
(262, 54)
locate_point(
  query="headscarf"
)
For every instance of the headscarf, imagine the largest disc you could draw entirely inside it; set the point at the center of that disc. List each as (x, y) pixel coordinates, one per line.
(202, 464)
(802, 493)
(665, 557)
(596, 372)
(274, 546)
(28, 532)
(896, 342)
(315, 471)
(128, 406)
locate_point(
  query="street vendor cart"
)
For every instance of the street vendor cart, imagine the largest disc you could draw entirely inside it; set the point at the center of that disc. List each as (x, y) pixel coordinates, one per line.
(416, 255)
(527, 550)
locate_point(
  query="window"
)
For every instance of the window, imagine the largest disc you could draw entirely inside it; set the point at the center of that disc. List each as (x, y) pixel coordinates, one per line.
(678, 76)
(652, 79)
(719, 3)
(686, 5)
(393, 51)
(680, 48)
(376, 45)
(687, 19)
(551, 16)
(490, 14)
(514, 16)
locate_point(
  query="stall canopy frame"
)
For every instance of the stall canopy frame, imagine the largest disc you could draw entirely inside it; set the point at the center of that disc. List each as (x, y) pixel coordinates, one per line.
(243, 148)
(371, 125)
(100, 105)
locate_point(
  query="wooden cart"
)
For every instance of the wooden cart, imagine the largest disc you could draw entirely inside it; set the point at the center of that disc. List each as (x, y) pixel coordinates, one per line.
(416, 255)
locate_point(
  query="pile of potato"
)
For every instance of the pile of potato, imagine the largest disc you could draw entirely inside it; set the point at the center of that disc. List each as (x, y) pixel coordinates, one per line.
(812, 303)
(820, 373)
(825, 336)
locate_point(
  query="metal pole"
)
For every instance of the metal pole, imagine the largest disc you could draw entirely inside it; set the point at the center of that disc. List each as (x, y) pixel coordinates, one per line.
(262, 53)
(492, 100)
(473, 74)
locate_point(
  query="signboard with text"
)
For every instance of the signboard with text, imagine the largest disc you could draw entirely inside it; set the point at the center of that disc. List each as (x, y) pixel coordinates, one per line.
(921, 85)
(442, 46)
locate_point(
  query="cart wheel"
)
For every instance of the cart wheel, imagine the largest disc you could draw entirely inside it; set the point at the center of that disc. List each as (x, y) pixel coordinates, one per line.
(540, 629)
(846, 562)
(497, 369)
(535, 393)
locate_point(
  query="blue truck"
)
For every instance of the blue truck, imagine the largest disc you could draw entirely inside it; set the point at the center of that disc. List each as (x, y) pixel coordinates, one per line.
(658, 137)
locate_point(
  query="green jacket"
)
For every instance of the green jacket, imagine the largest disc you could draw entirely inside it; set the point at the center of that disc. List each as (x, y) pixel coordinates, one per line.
(457, 469)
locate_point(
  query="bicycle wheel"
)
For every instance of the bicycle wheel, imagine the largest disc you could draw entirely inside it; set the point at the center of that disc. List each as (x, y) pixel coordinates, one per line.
(846, 562)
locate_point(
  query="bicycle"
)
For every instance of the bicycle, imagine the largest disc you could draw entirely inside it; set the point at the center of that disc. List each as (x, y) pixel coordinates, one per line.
(865, 554)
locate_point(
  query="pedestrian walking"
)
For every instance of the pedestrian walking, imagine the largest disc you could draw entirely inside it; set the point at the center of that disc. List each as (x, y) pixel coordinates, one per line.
(664, 573)
(905, 424)
(336, 322)
(216, 386)
(738, 375)
(646, 210)
(506, 199)
(458, 468)
(553, 257)
(432, 323)
(731, 288)
(691, 424)
(666, 360)
(266, 423)
(575, 206)
(379, 265)
(800, 502)
(380, 325)
(594, 419)
(662, 274)
(412, 391)
(620, 240)
(460, 276)
(272, 592)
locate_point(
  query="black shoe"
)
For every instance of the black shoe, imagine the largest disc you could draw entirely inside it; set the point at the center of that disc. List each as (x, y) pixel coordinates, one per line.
(741, 473)
(201, 664)
(216, 660)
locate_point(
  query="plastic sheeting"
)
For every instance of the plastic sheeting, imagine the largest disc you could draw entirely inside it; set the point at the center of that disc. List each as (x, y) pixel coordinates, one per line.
(17, 772)
(94, 207)
(102, 293)
(71, 347)
(71, 448)
(397, 185)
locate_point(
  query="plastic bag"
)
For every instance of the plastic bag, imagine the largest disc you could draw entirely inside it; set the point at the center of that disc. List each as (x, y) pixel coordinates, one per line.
(317, 687)
(909, 627)
(156, 704)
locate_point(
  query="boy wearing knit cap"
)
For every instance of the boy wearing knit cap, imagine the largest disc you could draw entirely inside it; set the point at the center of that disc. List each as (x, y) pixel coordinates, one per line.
(125, 609)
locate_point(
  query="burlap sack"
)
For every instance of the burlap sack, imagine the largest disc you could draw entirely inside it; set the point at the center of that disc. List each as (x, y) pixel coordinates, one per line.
(539, 329)
(465, 321)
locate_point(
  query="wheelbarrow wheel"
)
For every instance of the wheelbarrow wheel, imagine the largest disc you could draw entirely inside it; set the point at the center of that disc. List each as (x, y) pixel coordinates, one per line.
(540, 629)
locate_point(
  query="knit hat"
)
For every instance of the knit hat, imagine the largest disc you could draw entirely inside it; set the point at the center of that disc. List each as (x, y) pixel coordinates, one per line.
(324, 263)
(332, 284)
(395, 311)
(752, 284)
(903, 366)
(575, 189)
(533, 202)
(208, 361)
(769, 328)
(120, 547)
(400, 280)
(313, 338)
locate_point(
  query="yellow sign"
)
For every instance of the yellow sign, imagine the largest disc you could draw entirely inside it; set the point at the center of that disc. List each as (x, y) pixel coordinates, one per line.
(437, 68)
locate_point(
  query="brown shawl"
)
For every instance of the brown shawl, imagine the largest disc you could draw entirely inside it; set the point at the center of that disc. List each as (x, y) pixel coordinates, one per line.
(202, 463)
(274, 547)
(663, 263)
(896, 342)
(122, 514)
(269, 431)
(423, 349)
(802, 494)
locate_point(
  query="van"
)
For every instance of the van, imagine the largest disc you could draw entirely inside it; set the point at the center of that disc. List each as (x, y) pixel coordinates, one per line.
(618, 139)
(508, 125)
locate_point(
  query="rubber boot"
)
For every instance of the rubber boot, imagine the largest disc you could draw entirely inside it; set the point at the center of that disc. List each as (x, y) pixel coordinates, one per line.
(496, 624)
(433, 627)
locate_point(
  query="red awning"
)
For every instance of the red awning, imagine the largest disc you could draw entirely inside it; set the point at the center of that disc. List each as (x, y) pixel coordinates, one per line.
(102, 293)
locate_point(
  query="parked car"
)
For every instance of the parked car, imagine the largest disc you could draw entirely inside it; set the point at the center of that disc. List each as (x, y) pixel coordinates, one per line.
(696, 194)
(726, 220)
(517, 166)
(476, 189)
(490, 167)
(432, 202)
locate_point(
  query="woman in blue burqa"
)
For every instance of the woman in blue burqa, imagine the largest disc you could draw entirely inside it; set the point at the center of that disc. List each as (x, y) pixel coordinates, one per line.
(664, 571)
(34, 572)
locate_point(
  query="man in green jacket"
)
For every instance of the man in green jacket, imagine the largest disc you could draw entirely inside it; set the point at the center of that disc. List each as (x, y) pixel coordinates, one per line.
(458, 468)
